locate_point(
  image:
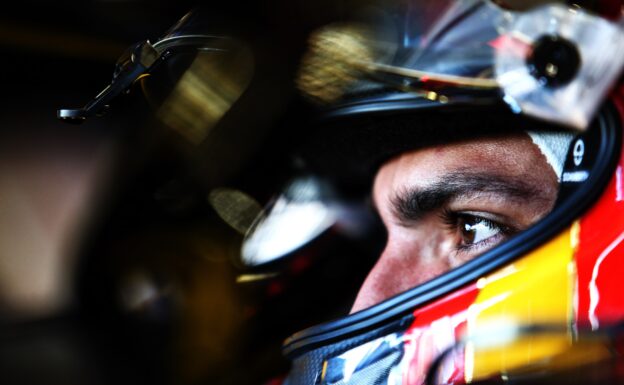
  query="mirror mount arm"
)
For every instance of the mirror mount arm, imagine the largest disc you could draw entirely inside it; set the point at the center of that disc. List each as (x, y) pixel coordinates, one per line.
(139, 60)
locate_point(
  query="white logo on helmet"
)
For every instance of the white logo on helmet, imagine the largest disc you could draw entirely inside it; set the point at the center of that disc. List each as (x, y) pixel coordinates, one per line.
(578, 152)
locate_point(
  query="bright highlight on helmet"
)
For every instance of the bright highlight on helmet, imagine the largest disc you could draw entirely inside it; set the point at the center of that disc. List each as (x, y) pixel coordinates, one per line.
(274, 235)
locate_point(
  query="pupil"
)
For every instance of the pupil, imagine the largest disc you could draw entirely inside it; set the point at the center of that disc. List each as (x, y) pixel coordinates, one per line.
(470, 231)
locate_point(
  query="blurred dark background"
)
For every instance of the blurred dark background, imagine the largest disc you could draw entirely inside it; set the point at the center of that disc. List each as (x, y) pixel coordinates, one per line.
(113, 266)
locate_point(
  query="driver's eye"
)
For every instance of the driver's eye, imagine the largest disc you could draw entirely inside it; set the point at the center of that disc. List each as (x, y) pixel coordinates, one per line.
(475, 230)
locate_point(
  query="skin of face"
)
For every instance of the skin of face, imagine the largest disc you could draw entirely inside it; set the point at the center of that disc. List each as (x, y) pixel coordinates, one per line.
(444, 205)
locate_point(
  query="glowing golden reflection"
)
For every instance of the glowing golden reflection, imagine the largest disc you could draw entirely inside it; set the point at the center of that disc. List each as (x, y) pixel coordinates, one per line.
(244, 278)
(207, 89)
(329, 67)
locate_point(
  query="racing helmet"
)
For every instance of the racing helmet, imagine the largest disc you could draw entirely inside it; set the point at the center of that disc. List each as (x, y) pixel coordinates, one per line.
(542, 305)
(532, 90)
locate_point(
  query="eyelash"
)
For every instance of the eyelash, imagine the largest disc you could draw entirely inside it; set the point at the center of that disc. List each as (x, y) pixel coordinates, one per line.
(452, 220)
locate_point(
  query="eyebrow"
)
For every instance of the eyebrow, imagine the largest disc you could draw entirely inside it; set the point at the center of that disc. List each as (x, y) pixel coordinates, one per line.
(412, 204)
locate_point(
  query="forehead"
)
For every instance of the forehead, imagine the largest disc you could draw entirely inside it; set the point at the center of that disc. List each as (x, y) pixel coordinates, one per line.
(513, 155)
